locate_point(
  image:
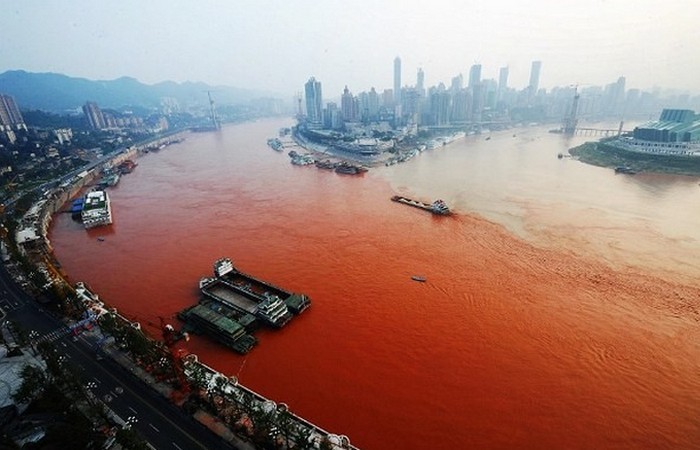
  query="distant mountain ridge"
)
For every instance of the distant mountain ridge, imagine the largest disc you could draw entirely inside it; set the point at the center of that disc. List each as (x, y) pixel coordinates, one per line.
(58, 93)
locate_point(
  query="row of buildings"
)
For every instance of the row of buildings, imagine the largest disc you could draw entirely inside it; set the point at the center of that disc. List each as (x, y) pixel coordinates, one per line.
(458, 103)
(99, 119)
(11, 121)
(480, 100)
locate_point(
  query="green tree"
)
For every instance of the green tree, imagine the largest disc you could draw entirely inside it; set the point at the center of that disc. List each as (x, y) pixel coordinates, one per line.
(33, 383)
(303, 438)
(131, 440)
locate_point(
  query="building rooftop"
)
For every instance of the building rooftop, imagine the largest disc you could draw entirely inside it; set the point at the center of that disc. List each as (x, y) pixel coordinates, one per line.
(219, 321)
(674, 125)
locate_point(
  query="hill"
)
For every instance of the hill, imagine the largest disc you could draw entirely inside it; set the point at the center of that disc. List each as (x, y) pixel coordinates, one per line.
(58, 93)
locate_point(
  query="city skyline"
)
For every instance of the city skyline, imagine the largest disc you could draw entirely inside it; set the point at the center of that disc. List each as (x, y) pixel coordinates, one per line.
(275, 46)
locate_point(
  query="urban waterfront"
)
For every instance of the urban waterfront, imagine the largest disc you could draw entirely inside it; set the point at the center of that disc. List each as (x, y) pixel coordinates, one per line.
(553, 313)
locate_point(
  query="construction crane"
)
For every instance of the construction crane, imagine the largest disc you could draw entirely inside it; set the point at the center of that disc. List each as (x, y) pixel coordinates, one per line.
(571, 121)
(212, 113)
(170, 338)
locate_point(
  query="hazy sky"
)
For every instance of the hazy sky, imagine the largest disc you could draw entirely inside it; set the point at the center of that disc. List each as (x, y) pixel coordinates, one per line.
(278, 45)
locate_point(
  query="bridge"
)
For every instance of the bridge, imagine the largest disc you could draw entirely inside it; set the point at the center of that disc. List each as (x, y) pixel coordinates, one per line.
(600, 131)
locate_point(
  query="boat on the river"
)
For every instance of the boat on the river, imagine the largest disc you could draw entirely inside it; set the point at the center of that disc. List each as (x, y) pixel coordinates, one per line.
(438, 207)
(248, 295)
(625, 170)
(275, 144)
(350, 169)
(127, 166)
(97, 210)
(204, 318)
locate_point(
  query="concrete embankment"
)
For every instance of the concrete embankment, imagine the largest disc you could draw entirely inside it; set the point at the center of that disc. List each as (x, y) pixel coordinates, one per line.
(605, 155)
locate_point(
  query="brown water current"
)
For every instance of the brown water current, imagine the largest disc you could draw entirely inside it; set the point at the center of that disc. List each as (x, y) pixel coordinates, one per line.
(561, 307)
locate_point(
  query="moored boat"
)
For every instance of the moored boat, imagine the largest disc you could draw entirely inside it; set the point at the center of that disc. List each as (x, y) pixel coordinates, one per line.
(625, 170)
(438, 207)
(350, 169)
(97, 209)
(249, 295)
(275, 144)
(223, 329)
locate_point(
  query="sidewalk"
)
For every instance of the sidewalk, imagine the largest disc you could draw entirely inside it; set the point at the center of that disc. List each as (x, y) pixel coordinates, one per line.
(94, 337)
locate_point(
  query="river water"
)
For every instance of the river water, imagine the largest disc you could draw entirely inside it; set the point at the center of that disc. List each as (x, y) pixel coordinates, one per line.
(560, 308)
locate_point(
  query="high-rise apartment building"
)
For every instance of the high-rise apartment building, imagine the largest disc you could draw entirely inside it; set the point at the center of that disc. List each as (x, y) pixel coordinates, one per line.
(373, 104)
(614, 97)
(10, 116)
(94, 116)
(397, 80)
(346, 105)
(534, 78)
(457, 83)
(474, 76)
(314, 101)
(502, 82)
(388, 98)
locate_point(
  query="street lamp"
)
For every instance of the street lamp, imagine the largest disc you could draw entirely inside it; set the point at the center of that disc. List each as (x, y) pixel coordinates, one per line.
(33, 335)
(130, 421)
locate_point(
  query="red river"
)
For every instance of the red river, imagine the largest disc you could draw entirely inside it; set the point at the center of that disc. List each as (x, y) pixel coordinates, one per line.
(560, 308)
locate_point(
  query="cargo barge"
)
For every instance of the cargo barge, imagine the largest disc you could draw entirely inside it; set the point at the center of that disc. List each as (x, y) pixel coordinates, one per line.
(275, 144)
(203, 319)
(274, 306)
(233, 304)
(438, 207)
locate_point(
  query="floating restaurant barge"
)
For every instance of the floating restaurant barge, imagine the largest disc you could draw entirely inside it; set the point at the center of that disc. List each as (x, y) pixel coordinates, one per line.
(96, 210)
(438, 207)
(234, 303)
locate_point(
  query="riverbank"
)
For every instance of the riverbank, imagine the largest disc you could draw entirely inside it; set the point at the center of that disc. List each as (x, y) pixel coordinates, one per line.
(494, 308)
(401, 150)
(606, 155)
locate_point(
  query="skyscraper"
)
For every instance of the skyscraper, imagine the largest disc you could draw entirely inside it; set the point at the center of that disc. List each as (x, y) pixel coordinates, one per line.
(420, 80)
(373, 101)
(397, 81)
(474, 76)
(502, 82)
(457, 83)
(346, 105)
(10, 116)
(534, 78)
(94, 116)
(314, 101)
(475, 90)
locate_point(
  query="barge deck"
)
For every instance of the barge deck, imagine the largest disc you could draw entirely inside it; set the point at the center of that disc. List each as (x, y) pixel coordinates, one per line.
(222, 328)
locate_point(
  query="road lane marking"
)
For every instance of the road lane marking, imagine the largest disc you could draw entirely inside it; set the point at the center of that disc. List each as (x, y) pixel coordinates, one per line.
(176, 446)
(133, 410)
(145, 403)
(151, 425)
